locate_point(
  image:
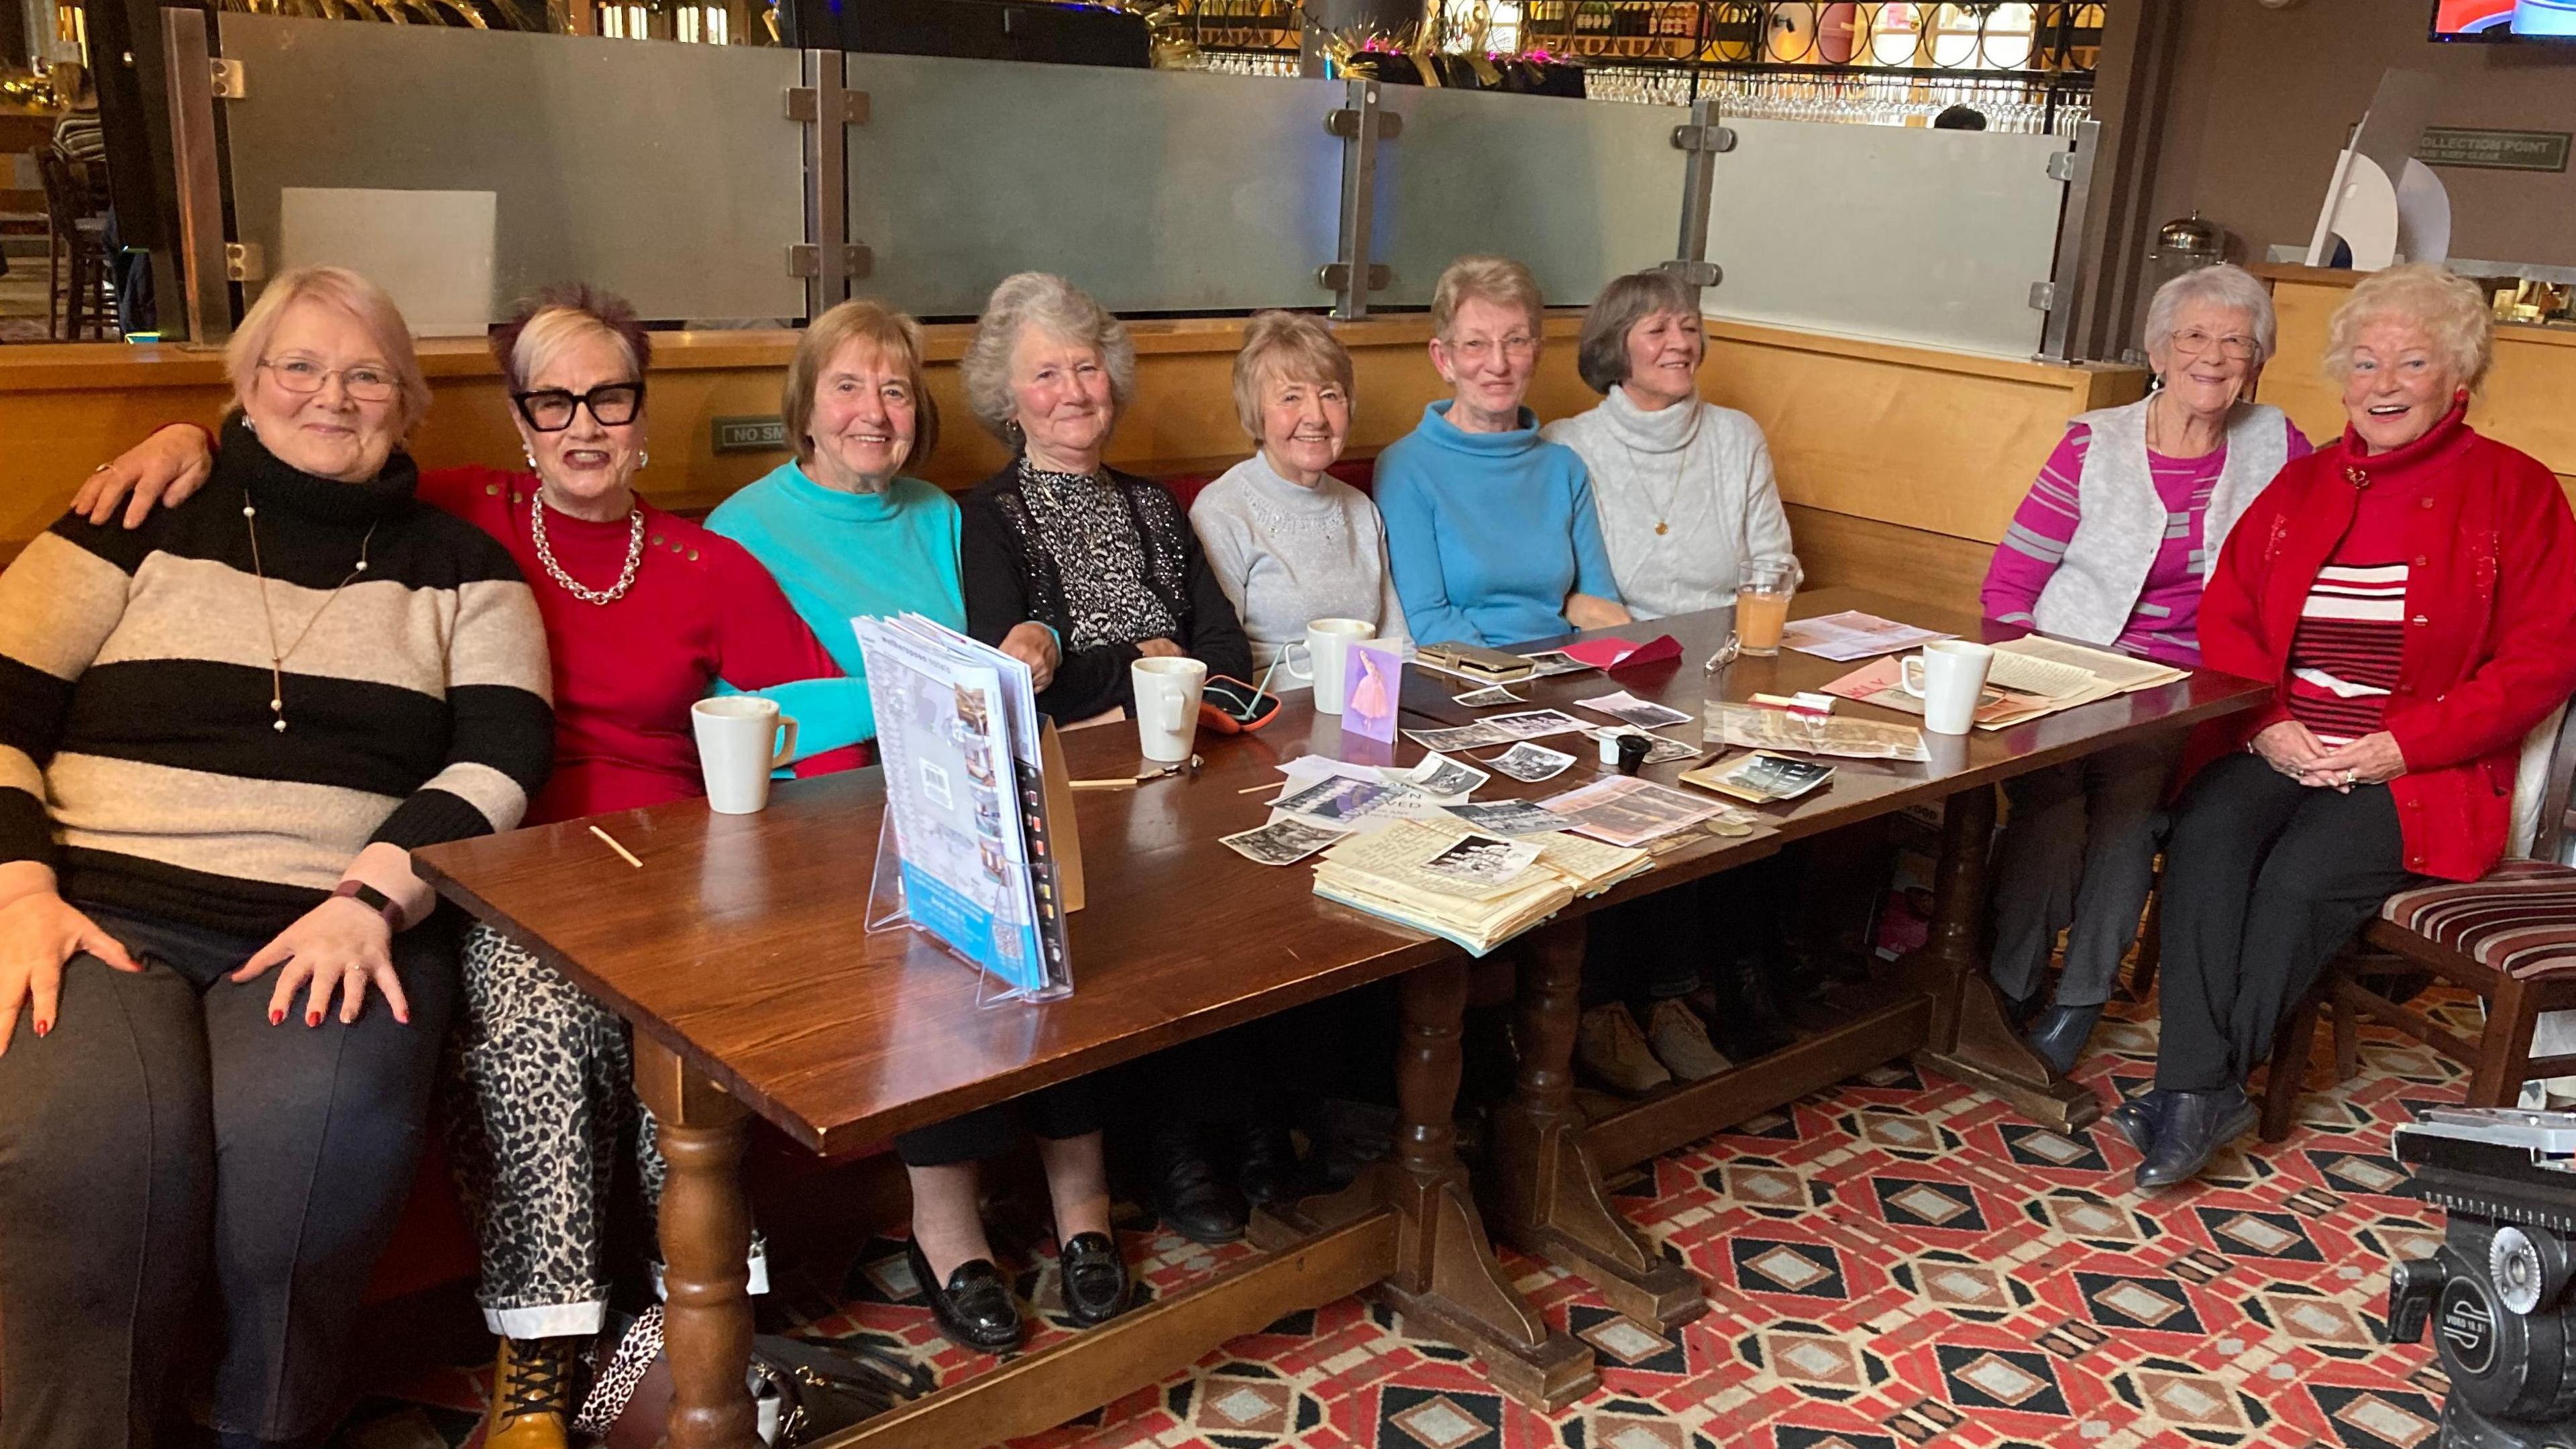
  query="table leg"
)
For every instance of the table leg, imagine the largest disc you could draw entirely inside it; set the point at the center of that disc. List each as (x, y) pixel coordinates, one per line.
(1548, 1195)
(1971, 1037)
(706, 1249)
(1446, 1278)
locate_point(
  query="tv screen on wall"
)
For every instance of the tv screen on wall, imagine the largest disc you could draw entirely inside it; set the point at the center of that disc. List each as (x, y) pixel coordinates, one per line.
(2505, 20)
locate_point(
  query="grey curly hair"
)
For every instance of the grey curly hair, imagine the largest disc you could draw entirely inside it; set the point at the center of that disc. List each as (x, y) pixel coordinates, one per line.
(1058, 308)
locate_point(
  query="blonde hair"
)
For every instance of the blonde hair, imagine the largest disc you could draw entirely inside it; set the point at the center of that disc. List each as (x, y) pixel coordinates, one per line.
(1499, 280)
(558, 317)
(354, 295)
(2449, 307)
(1285, 345)
(1052, 305)
(893, 334)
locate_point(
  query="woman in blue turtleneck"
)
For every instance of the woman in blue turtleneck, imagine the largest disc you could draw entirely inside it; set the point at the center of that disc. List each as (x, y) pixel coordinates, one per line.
(1489, 527)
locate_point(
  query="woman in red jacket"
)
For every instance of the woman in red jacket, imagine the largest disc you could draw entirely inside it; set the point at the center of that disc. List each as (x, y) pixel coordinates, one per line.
(2411, 592)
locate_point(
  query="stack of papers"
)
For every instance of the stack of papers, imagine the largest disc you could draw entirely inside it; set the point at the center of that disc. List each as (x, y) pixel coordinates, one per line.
(1755, 728)
(1852, 634)
(1468, 886)
(2050, 667)
(1627, 811)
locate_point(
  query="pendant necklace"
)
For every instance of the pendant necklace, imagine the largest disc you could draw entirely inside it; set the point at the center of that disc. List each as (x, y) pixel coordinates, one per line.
(546, 555)
(1663, 508)
(277, 657)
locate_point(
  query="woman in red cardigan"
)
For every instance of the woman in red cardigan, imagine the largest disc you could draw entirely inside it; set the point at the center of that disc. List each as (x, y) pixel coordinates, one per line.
(2411, 592)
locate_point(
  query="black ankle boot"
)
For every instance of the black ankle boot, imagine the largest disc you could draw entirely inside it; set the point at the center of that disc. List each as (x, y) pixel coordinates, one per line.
(2195, 1126)
(2059, 1035)
(1271, 1175)
(1190, 1195)
(2141, 1117)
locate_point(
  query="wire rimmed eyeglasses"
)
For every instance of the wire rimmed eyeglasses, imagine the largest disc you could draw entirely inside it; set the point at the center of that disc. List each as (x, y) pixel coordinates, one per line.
(365, 383)
(550, 409)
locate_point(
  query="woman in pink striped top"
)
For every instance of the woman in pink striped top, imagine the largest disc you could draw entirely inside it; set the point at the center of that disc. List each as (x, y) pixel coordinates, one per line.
(2111, 548)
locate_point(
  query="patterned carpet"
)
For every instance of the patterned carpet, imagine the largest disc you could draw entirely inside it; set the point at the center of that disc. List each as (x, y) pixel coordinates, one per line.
(1890, 1263)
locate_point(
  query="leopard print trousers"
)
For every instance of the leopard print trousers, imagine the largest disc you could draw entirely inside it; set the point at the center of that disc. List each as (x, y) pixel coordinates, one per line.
(540, 1106)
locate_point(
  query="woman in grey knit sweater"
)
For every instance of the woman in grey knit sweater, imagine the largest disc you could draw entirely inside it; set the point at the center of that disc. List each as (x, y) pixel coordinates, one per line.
(1288, 543)
(1684, 486)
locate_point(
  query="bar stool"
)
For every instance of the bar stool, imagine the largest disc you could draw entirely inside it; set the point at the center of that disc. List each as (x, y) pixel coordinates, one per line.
(86, 297)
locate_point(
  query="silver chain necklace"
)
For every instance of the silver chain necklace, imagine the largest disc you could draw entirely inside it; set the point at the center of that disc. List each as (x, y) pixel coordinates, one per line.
(546, 555)
(277, 657)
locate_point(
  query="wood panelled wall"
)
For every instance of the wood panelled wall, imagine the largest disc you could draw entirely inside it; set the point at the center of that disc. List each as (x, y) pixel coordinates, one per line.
(1900, 464)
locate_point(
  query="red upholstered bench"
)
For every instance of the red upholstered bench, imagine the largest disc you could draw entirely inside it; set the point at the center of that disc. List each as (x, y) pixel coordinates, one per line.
(1360, 473)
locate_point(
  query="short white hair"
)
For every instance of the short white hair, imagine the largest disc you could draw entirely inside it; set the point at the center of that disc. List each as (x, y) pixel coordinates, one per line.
(2222, 284)
(1053, 306)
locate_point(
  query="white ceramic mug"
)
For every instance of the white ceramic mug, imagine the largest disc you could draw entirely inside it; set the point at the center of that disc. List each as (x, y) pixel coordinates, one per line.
(738, 745)
(1321, 661)
(1167, 705)
(1949, 677)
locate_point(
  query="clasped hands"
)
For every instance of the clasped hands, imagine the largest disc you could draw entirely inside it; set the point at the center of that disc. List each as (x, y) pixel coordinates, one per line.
(2291, 748)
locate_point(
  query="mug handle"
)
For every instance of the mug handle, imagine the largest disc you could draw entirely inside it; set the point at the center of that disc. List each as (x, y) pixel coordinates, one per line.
(1169, 706)
(1907, 669)
(1302, 673)
(786, 747)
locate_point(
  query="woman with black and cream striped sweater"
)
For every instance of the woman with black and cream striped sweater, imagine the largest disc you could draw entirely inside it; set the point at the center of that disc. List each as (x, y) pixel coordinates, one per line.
(220, 737)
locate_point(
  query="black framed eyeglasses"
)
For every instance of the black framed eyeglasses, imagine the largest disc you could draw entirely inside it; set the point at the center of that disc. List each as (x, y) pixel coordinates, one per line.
(550, 409)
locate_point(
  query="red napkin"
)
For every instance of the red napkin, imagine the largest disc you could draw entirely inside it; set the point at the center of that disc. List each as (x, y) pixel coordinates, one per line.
(1624, 654)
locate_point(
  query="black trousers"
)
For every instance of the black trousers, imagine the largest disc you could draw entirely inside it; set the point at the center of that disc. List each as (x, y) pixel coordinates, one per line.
(164, 1139)
(2079, 856)
(2265, 880)
(1067, 1109)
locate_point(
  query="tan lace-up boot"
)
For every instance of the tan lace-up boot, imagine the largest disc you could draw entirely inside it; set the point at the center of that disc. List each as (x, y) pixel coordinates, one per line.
(1608, 1046)
(532, 1389)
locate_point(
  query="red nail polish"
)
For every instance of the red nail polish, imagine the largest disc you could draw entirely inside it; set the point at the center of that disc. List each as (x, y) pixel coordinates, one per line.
(276, 1014)
(312, 1018)
(43, 1027)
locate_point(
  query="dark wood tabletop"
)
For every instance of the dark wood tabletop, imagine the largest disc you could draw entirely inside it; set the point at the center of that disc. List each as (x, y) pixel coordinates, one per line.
(740, 942)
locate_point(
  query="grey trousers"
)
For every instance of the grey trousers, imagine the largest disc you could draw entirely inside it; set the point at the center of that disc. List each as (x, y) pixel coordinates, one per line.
(2078, 855)
(165, 1140)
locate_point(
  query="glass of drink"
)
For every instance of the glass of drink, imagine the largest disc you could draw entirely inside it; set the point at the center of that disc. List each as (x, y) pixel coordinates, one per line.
(1763, 587)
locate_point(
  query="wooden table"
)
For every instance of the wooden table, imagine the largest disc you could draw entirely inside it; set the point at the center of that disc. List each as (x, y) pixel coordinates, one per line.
(1936, 1004)
(737, 952)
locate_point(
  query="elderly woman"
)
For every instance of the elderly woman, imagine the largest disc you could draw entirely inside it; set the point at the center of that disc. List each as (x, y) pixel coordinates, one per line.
(1489, 526)
(226, 730)
(1059, 543)
(1684, 486)
(645, 613)
(1288, 542)
(2112, 547)
(850, 536)
(2409, 591)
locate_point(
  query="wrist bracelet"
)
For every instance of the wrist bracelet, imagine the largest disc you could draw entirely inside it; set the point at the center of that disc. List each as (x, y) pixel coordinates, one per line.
(374, 900)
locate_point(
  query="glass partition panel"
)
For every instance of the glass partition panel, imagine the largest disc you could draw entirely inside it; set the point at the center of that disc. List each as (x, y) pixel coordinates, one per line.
(1929, 237)
(1152, 190)
(1579, 191)
(464, 169)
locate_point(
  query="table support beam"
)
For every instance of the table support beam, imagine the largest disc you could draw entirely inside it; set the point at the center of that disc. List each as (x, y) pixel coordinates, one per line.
(1971, 1037)
(1547, 1194)
(1446, 1280)
(706, 1252)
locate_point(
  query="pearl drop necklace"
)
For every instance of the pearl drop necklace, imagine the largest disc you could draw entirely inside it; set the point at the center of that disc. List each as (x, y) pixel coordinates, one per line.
(277, 657)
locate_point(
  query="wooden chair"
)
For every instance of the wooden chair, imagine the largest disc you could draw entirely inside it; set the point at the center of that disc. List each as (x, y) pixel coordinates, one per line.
(86, 297)
(2510, 937)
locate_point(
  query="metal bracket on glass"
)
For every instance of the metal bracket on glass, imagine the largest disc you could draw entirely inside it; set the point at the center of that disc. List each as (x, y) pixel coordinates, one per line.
(1701, 142)
(2064, 291)
(243, 262)
(828, 260)
(1350, 276)
(229, 84)
(204, 263)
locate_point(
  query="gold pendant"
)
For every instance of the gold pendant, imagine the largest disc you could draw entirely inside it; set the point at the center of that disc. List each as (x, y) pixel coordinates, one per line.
(1663, 528)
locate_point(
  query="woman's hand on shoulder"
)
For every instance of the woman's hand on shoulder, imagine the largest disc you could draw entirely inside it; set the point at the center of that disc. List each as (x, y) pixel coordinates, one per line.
(161, 471)
(39, 932)
(1033, 644)
(338, 947)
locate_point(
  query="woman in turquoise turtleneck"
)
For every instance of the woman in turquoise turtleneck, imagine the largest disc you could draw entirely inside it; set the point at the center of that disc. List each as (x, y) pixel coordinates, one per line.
(1489, 528)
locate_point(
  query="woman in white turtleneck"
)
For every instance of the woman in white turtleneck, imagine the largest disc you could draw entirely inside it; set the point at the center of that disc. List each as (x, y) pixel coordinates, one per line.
(1684, 487)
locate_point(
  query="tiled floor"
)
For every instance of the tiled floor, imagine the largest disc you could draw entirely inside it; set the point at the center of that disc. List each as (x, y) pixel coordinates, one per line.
(1891, 1263)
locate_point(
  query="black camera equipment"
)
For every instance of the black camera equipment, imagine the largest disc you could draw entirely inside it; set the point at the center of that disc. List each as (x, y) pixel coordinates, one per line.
(2496, 1293)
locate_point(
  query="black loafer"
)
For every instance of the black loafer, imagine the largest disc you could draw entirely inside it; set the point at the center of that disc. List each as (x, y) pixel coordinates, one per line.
(1271, 1175)
(2058, 1037)
(2139, 1118)
(2195, 1126)
(974, 1307)
(1190, 1196)
(1094, 1277)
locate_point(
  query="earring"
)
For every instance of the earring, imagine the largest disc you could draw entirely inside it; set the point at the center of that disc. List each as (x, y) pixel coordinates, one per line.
(643, 459)
(532, 458)
(249, 426)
